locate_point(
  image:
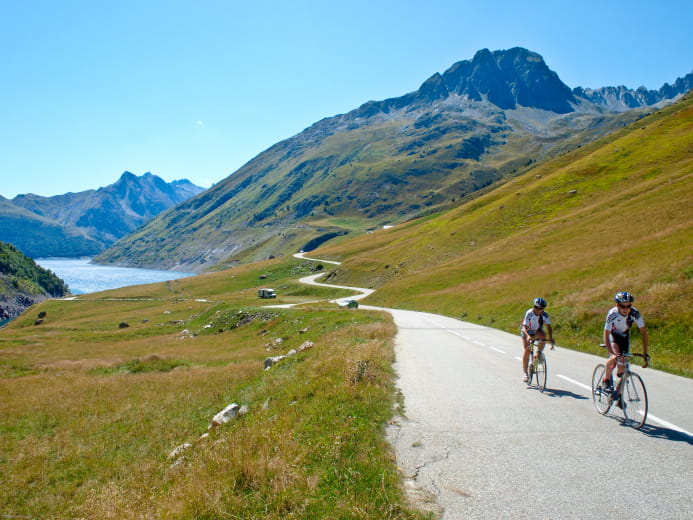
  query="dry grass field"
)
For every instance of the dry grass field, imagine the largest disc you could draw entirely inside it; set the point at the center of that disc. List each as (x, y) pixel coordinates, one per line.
(91, 409)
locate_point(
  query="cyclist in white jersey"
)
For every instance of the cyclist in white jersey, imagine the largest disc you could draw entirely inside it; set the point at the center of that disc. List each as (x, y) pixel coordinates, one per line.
(533, 327)
(619, 321)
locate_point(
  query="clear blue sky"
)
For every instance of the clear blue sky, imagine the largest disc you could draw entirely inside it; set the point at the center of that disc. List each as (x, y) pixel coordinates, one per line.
(195, 89)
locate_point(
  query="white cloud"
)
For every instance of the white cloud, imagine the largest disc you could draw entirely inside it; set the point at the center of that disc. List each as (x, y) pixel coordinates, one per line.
(199, 123)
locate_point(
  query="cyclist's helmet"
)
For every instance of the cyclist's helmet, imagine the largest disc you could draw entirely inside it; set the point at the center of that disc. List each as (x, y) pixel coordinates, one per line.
(540, 302)
(623, 297)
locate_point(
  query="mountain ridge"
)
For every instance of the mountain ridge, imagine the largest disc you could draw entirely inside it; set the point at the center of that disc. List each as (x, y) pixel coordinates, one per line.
(381, 163)
(90, 220)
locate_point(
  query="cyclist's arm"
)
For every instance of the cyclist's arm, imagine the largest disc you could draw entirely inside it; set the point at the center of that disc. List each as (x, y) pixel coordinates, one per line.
(607, 340)
(645, 346)
(550, 329)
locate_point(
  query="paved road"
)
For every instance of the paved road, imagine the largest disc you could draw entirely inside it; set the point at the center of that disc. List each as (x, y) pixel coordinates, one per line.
(476, 442)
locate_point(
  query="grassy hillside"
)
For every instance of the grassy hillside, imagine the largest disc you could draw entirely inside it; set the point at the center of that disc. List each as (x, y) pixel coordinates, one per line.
(23, 283)
(92, 408)
(365, 168)
(614, 215)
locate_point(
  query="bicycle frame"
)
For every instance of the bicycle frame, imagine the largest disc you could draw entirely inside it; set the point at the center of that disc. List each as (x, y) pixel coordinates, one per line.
(633, 404)
(536, 365)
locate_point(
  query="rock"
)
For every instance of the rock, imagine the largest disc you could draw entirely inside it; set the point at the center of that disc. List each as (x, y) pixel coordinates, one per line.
(227, 415)
(272, 361)
(179, 450)
(123, 325)
(306, 345)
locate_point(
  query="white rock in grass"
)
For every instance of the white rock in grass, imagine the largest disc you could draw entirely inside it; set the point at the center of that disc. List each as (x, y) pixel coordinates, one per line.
(179, 450)
(306, 345)
(227, 415)
(272, 360)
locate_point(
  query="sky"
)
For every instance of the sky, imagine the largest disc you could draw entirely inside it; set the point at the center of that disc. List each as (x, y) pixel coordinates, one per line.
(193, 90)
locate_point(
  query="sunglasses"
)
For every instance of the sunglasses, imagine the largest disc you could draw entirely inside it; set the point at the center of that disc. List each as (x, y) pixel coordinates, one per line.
(624, 305)
(539, 308)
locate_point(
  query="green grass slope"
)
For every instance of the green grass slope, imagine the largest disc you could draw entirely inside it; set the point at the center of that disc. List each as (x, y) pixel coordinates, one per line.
(615, 215)
(92, 409)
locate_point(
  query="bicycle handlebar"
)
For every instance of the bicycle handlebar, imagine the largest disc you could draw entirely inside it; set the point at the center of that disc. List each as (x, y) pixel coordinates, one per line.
(628, 354)
(539, 341)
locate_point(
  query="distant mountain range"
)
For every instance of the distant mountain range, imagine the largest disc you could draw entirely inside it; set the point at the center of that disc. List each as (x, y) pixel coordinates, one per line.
(86, 223)
(481, 121)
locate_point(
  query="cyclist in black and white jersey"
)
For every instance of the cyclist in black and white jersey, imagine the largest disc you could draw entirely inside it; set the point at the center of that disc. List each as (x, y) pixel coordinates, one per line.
(533, 327)
(619, 321)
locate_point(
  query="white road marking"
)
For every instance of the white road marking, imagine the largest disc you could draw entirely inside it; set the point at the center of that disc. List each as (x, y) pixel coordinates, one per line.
(578, 383)
(498, 350)
(668, 424)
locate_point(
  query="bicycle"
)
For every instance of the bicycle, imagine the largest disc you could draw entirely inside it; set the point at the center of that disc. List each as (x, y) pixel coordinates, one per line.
(629, 394)
(536, 366)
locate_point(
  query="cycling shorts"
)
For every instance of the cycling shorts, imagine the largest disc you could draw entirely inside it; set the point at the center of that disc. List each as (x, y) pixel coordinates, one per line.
(532, 333)
(623, 342)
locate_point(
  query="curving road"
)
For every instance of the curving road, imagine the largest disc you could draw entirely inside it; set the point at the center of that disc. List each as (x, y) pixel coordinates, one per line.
(476, 442)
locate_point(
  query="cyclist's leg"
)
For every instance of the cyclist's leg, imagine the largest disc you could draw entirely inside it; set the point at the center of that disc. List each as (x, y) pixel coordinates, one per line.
(525, 354)
(541, 335)
(621, 362)
(610, 363)
(618, 344)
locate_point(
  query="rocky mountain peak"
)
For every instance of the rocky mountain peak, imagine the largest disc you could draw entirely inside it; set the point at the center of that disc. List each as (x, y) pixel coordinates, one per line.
(510, 78)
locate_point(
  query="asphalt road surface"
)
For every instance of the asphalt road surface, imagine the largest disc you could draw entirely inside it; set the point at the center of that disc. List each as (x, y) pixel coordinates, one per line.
(475, 442)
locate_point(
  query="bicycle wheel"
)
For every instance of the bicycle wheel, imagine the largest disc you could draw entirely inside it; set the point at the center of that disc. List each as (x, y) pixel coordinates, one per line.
(634, 400)
(530, 369)
(541, 371)
(602, 401)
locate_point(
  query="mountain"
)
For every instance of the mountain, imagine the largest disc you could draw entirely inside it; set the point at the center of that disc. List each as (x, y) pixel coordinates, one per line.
(38, 236)
(24, 283)
(482, 120)
(85, 223)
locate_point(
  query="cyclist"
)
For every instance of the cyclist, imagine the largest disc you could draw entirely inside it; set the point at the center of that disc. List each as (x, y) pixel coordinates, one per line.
(533, 327)
(619, 320)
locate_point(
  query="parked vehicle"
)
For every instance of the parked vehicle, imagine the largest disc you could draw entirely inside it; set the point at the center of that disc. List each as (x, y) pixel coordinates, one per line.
(266, 293)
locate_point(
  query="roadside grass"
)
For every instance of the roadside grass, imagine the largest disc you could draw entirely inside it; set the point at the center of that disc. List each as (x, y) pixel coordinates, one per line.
(91, 411)
(611, 216)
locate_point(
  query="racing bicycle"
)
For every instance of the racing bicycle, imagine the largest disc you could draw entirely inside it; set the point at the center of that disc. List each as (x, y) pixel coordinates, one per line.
(629, 393)
(536, 366)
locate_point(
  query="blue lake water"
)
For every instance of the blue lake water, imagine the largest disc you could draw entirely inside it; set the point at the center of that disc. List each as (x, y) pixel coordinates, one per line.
(83, 277)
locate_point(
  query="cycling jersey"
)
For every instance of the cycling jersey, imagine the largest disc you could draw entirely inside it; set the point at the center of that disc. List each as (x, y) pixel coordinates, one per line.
(533, 322)
(619, 325)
